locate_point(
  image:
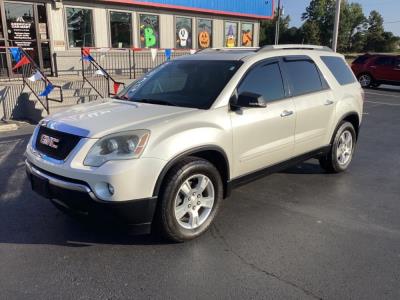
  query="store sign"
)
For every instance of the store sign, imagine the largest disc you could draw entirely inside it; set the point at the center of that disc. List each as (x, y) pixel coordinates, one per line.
(260, 9)
(22, 33)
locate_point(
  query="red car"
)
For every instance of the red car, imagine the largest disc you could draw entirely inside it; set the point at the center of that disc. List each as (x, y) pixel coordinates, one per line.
(373, 70)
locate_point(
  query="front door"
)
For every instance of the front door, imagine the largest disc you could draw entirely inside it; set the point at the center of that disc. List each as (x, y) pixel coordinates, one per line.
(263, 136)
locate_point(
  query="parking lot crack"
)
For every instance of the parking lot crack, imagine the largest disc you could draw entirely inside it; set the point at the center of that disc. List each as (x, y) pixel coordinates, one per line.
(253, 266)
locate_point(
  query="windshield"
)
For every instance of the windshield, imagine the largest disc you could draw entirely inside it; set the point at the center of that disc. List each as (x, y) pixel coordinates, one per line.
(187, 83)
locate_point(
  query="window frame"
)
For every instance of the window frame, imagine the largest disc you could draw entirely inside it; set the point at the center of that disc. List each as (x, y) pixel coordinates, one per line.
(241, 29)
(237, 32)
(68, 46)
(267, 61)
(197, 20)
(324, 83)
(132, 13)
(194, 32)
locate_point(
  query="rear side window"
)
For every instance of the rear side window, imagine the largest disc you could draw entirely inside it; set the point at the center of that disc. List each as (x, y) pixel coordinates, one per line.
(304, 76)
(339, 69)
(266, 80)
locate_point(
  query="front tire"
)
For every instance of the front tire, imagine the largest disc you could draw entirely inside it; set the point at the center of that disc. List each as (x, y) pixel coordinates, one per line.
(365, 80)
(341, 153)
(189, 200)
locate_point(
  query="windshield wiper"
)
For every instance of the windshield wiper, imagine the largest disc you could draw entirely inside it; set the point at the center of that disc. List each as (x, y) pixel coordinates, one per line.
(155, 101)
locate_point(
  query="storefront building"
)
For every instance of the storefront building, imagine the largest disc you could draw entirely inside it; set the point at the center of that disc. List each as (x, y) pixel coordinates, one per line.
(45, 28)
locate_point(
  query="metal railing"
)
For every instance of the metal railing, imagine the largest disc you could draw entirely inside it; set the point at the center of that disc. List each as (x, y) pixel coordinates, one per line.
(26, 71)
(131, 63)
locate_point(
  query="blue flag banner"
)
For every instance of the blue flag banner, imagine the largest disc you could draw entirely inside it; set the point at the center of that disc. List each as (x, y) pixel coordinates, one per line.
(88, 58)
(168, 54)
(16, 54)
(47, 90)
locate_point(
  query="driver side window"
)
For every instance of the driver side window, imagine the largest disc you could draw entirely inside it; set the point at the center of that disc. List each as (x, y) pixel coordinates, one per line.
(264, 79)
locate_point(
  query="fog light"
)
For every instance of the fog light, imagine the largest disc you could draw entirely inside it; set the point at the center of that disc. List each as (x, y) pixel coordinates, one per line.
(110, 189)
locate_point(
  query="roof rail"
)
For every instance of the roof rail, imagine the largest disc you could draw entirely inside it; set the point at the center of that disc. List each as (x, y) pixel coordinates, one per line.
(208, 50)
(294, 46)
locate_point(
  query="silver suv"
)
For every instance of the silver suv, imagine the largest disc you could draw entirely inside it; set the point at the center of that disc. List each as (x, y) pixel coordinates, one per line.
(164, 153)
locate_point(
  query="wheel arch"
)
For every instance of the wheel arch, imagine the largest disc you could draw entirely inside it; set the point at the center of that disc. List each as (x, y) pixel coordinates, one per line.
(351, 117)
(214, 154)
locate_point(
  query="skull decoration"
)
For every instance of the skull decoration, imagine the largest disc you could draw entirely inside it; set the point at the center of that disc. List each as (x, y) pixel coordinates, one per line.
(183, 36)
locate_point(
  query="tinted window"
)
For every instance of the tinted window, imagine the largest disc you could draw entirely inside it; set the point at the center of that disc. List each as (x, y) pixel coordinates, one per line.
(339, 69)
(265, 80)
(361, 59)
(384, 61)
(183, 83)
(304, 76)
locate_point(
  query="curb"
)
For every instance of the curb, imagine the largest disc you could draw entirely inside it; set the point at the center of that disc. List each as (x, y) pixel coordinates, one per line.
(8, 127)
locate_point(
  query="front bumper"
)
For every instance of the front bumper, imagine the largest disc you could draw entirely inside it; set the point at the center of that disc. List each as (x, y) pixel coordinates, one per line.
(76, 197)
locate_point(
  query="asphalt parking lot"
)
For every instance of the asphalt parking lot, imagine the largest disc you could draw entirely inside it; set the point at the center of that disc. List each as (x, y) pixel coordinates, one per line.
(298, 234)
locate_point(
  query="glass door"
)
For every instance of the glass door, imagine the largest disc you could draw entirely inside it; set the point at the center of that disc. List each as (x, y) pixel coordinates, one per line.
(27, 28)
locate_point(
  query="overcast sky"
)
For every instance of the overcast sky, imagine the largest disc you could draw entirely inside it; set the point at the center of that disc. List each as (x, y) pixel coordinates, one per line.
(390, 10)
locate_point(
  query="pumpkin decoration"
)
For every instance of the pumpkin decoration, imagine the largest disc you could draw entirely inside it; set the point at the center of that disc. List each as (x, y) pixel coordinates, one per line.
(204, 39)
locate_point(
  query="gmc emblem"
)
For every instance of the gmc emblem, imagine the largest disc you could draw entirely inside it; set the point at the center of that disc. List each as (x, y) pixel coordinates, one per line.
(49, 141)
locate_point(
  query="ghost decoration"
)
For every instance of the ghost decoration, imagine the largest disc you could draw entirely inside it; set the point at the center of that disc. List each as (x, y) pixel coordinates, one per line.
(183, 35)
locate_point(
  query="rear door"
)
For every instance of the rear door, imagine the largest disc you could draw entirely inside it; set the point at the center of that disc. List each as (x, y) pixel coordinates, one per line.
(382, 68)
(314, 103)
(263, 136)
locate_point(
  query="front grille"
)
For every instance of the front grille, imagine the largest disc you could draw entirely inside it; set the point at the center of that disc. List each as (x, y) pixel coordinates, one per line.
(55, 144)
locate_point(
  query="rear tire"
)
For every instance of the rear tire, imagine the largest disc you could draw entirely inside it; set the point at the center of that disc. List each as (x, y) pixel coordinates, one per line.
(189, 200)
(341, 153)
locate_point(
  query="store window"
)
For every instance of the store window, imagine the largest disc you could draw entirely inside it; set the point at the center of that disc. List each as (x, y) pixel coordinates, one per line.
(80, 27)
(183, 32)
(204, 33)
(121, 29)
(247, 34)
(231, 34)
(149, 31)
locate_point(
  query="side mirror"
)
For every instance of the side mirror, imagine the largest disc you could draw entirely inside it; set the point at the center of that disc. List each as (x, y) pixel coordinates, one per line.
(250, 100)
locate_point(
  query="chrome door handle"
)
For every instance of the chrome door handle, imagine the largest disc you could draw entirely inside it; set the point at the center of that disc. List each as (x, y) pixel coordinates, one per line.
(286, 113)
(329, 102)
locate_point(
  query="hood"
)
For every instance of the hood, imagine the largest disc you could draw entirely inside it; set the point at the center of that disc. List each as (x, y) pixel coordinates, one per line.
(100, 118)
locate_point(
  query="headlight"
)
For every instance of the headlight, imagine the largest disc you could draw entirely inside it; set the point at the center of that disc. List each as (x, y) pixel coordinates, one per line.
(119, 146)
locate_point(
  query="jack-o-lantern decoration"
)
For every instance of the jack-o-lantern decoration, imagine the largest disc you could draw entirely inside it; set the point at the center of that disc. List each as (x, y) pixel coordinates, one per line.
(204, 39)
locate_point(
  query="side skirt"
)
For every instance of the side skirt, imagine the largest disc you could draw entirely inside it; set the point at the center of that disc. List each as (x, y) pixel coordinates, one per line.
(244, 179)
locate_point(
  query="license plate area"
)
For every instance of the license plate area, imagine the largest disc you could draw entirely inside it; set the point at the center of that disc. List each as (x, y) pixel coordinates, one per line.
(41, 186)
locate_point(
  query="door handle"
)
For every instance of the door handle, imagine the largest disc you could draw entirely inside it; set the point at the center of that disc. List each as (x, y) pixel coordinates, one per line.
(286, 113)
(329, 102)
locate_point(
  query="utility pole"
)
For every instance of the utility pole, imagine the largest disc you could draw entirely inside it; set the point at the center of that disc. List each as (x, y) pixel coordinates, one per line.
(278, 23)
(336, 26)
